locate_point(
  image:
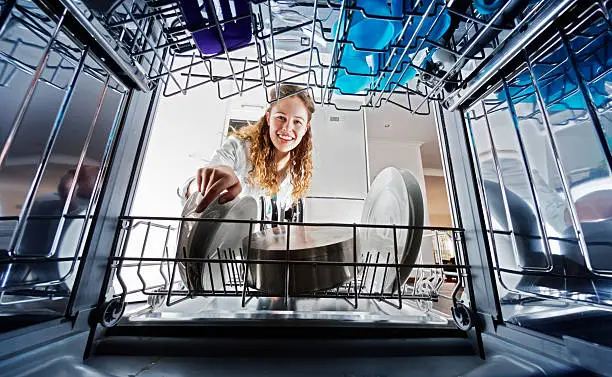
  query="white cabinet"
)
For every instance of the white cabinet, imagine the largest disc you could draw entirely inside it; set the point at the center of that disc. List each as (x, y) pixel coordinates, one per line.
(338, 154)
(339, 182)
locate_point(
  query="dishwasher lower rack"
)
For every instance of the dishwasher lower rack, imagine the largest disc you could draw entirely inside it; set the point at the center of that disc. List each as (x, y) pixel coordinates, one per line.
(144, 277)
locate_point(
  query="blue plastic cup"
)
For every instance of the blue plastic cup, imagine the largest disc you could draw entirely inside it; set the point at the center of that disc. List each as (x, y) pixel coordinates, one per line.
(353, 65)
(351, 84)
(485, 7)
(437, 30)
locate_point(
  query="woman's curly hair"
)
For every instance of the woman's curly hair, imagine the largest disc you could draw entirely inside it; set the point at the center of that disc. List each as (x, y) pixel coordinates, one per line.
(262, 150)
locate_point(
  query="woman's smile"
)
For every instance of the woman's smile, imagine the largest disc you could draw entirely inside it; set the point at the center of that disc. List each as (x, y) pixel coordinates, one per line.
(285, 137)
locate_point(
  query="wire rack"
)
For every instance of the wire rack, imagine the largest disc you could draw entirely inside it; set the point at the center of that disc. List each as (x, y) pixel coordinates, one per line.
(145, 268)
(562, 85)
(33, 276)
(36, 50)
(21, 54)
(300, 42)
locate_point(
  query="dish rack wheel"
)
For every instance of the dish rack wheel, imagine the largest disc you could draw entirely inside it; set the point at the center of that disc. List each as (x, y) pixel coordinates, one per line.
(112, 311)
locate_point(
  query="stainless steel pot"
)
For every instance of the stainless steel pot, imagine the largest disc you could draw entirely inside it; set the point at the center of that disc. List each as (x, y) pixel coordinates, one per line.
(306, 243)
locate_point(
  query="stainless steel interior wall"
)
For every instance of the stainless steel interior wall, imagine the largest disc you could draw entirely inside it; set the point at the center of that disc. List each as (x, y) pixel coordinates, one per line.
(59, 121)
(541, 145)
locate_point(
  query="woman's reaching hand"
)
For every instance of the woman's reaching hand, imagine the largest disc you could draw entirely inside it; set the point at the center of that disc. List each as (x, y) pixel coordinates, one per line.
(214, 181)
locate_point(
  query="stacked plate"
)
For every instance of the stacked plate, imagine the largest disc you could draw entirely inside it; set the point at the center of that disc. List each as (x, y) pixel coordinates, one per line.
(213, 240)
(395, 198)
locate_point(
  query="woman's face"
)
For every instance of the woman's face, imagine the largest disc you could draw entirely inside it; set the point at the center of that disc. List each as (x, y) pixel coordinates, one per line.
(288, 120)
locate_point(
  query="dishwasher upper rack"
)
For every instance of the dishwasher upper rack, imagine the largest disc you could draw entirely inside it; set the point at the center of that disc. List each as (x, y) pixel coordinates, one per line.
(14, 15)
(154, 37)
(144, 269)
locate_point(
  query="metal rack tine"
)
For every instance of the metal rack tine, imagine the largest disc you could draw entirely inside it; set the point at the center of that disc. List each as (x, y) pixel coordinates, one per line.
(30, 93)
(144, 247)
(364, 275)
(374, 273)
(222, 40)
(221, 268)
(166, 255)
(333, 53)
(235, 273)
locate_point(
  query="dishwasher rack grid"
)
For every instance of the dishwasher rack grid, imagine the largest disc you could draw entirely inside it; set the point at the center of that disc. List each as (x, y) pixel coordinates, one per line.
(145, 269)
(295, 42)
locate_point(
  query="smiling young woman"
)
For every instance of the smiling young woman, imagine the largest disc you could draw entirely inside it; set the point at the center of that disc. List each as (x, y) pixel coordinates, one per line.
(271, 158)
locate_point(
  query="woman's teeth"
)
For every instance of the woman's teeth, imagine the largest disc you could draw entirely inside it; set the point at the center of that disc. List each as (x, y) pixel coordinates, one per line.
(285, 137)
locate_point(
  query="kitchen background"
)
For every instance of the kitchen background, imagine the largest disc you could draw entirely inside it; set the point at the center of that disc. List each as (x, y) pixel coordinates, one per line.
(350, 149)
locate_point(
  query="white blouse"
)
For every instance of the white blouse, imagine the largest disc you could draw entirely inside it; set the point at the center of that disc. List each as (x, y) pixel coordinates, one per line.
(235, 153)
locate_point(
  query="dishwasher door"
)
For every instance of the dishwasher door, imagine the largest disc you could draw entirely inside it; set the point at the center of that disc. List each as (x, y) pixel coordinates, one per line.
(61, 114)
(537, 138)
(66, 116)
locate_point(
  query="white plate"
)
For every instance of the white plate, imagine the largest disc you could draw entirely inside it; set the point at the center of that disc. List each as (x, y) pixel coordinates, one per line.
(218, 240)
(394, 198)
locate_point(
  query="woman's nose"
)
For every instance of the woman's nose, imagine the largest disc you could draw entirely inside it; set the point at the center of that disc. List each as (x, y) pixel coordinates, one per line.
(288, 125)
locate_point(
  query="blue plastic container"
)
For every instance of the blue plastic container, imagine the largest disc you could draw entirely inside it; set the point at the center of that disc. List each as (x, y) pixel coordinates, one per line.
(485, 7)
(437, 30)
(353, 65)
(365, 32)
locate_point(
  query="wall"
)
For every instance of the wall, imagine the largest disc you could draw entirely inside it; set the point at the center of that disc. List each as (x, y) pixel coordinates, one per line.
(186, 132)
(437, 200)
(400, 154)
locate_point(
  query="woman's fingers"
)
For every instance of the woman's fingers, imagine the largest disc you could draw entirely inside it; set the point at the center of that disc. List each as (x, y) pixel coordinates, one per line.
(213, 176)
(212, 182)
(199, 178)
(205, 177)
(214, 189)
(231, 193)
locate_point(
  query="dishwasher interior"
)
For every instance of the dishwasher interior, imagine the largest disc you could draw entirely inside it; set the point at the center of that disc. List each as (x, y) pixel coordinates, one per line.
(145, 277)
(99, 98)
